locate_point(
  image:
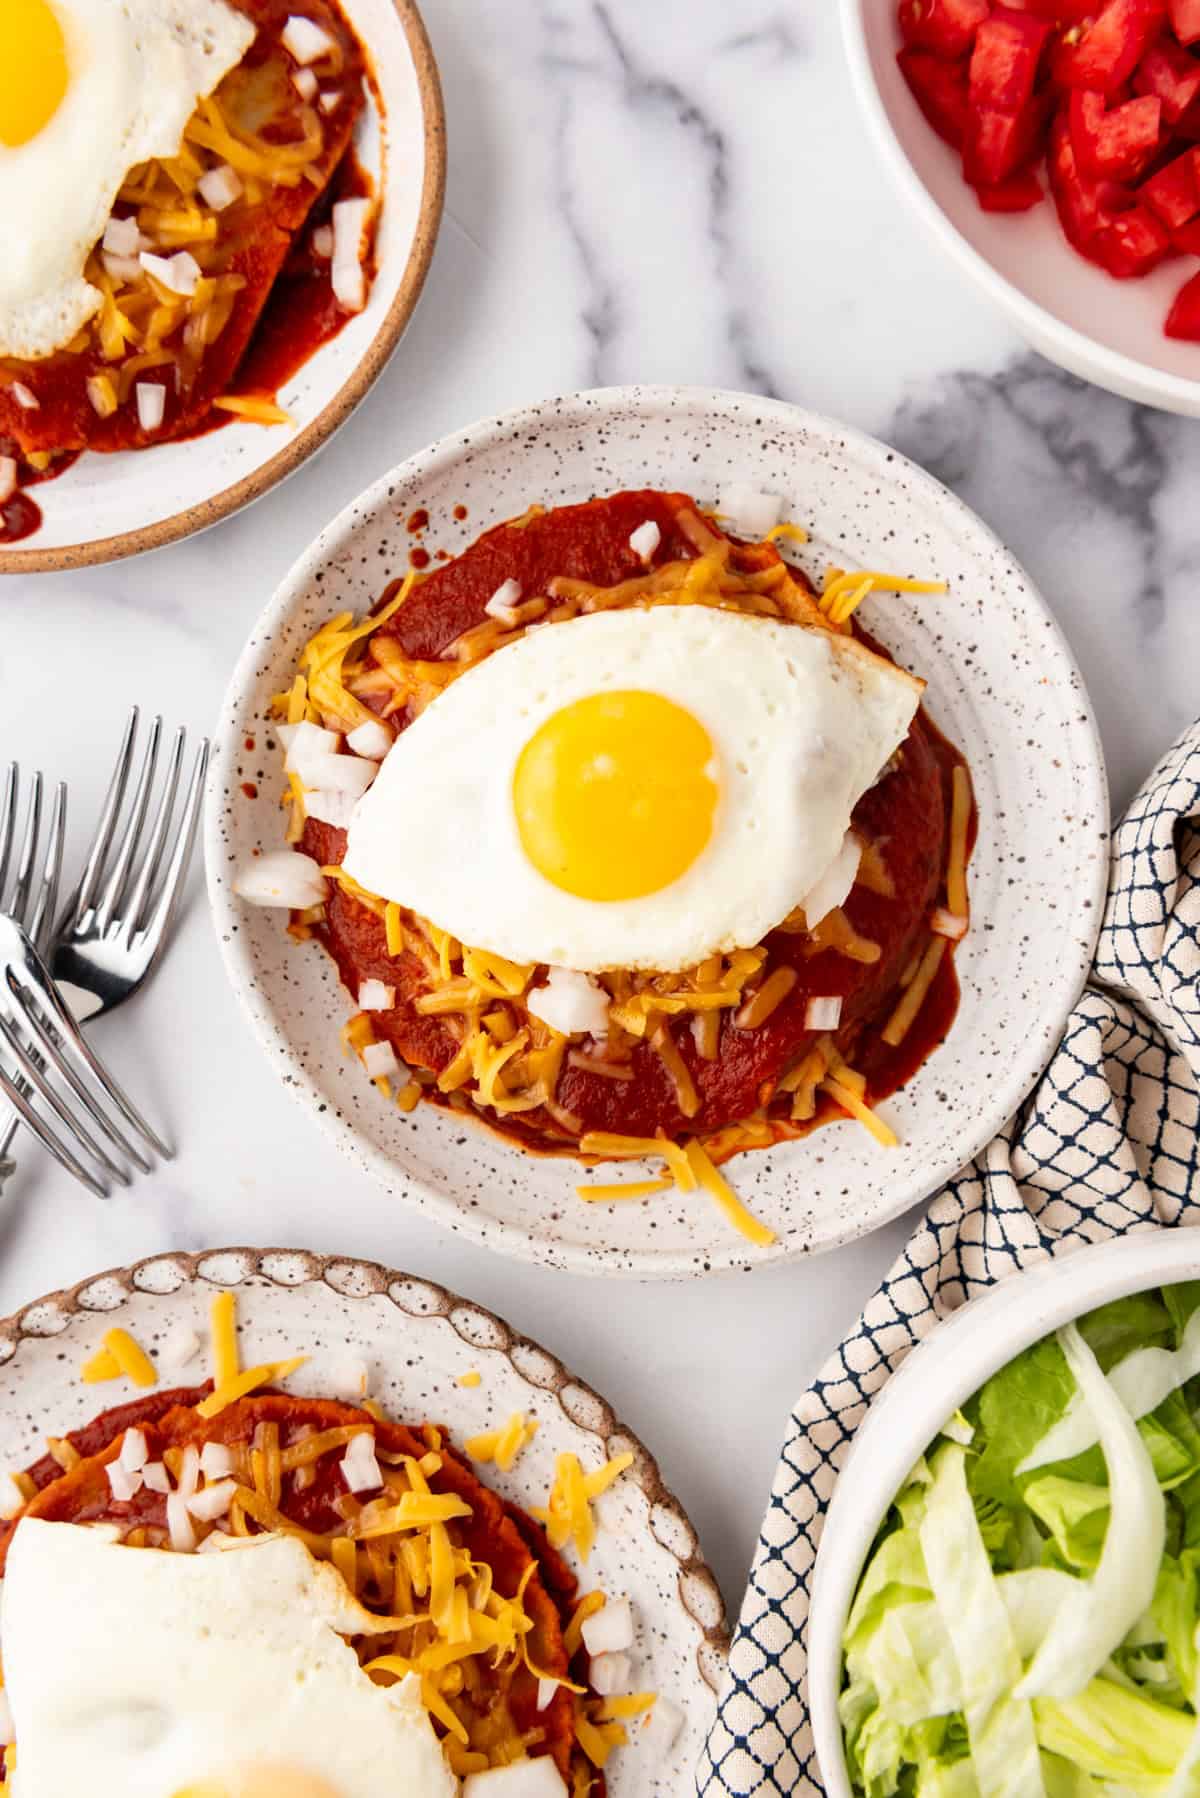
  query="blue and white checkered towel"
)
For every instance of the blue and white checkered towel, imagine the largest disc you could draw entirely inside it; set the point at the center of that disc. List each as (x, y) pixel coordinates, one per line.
(1110, 1141)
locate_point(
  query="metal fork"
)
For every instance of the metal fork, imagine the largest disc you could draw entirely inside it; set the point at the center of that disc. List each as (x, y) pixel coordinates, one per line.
(117, 923)
(39, 1034)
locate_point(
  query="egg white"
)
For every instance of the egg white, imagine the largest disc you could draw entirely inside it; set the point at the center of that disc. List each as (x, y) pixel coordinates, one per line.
(136, 71)
(801, 720)
(144, 1673)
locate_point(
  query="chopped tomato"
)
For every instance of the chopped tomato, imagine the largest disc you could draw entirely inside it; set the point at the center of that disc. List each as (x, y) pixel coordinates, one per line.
(1185, 20)
(1183, 320)
(1105, 52)
(945, 28)
(1004, 62)
(1119, 143)
(1086, 203)
(940, 90)
(1018, 194)
(1171, 74)
(1173, 194)
(1058, 12)
(1187, 237)
(1132, 244)
(999, 144)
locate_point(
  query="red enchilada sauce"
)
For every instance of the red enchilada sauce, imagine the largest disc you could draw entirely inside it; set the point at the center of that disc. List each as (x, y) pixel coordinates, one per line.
(905, 816)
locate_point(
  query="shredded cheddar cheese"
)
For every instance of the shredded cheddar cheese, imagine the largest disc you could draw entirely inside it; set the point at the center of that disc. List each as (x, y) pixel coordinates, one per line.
(471, 1378)
(223, 1323)
(101, 1366)
(504, 1445)
(243, 1384)
(131, 1359)
(567, 1514)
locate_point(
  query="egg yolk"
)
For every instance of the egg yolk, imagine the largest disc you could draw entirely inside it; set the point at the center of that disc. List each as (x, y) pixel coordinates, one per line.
(33, 69)
(262, 1782)
(615, 795)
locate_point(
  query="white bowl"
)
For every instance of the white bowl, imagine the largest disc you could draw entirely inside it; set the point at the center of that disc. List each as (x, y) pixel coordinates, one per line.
(1108, 331)
(938, 1376)
(108, 506)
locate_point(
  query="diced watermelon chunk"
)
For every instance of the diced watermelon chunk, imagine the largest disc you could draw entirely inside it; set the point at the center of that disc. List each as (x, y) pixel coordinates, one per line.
(1183, 320)
(1004, 62)
(999, 144)
(1119, 143)
(940, 90)
(1018, 194)
(1086, 203)
(1185, 20)
(945, 28)
(1171, 74)
(1187, 237)
(1132, 244)
(1105, 53)
(1173, 194)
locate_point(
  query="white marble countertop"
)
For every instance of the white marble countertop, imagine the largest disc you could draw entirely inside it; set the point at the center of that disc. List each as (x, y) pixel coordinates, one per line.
(637, 192)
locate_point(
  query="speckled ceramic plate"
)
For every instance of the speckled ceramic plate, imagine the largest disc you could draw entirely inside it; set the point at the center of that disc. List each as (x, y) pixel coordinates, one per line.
(109, 506)
(415, 1339)
(1002, 685)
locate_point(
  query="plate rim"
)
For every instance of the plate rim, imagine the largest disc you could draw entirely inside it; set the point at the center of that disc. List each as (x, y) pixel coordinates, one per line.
(243, 492)
(523, 1243)
(339, 1273)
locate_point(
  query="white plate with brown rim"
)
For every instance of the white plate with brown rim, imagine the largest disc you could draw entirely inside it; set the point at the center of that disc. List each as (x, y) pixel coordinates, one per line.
(414, 1339)
(1001, 683)
(108, 506)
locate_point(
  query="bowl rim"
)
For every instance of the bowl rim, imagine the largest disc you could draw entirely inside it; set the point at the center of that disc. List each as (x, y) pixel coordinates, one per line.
(935, 1378)
(286, 1061)
(1073, 349)
(353, 389)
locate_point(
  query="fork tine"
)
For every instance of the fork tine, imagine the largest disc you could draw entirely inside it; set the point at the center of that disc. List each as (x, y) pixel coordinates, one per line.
(47, 896)
(68, 1035)
(158, 924)
(15, 1094)
(19, 899)
(152, 860)
(110, 898)
(36, 1076)
(102, 840)
(8, 822)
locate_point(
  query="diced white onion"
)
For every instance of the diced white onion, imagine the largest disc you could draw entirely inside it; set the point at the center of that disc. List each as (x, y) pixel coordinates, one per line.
(303, 742)
(282, 877)
(305, 40)
(538, 1778)
(823, 1014)
(125, 1483)
(610, 1673)
(215, 1541)
(179, 1524)
(645, 540)
(503, 601)
(374, 995)
(25, 396)
(351, 1378)
(660, 1727)
(349, 282)
(134, 1453)
(151, 404)
(305, 83)
(572, 1003)
(220, 187)
(8, 477)
(379, 1059)
(189, 1471)
(360, 1469)
(12, 1499)
(322, 242)
(182, 1345)
(833, 888)
(546, 1690)
(155, 1477)
(121, 268)
(213, 1502)
(751, 513)
(216, 1461)
(339, 773)
(610, 1630)
(8, 1734)
(122, 237)
(100, 396)
(178, 274)
(947, 923)
(331, 99)
(330, 808)
(372, 738)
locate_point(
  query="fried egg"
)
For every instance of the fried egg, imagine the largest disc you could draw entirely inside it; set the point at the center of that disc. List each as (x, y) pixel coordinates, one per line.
(89, 89)
(633, 789)
(157, 1675)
